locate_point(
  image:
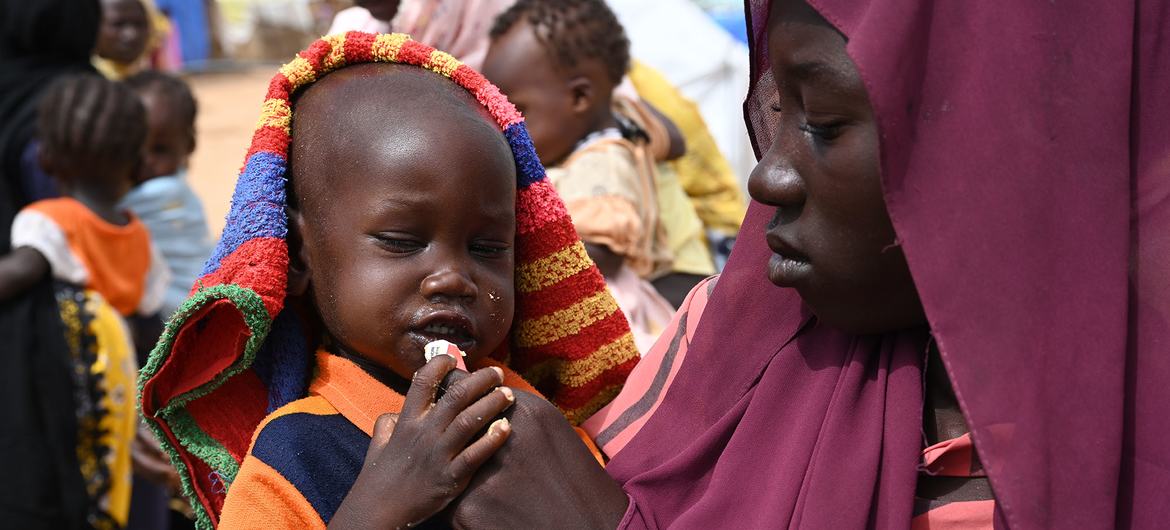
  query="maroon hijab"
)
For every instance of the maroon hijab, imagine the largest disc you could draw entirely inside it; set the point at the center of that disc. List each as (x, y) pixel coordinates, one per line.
(1026, 165)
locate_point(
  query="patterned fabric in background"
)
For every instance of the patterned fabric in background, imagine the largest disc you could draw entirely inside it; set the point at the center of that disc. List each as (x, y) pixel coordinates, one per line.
(104, 369)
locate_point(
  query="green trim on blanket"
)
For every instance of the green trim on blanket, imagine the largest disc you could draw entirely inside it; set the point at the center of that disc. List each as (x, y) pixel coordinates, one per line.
(204, 447)
(250, 306)
(197, 442)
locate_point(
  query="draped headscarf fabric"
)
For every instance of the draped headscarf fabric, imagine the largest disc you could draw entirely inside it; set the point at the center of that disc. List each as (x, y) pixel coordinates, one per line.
(1026, 169)
(235, 352)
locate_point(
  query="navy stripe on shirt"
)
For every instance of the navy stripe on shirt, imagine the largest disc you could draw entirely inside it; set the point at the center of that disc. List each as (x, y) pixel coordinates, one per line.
(320, 455)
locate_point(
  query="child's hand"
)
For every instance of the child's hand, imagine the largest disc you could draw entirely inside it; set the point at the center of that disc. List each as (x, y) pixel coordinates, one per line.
(421, 459)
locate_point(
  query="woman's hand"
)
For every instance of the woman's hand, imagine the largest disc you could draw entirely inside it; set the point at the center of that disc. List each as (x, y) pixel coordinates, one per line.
(544, 477)
(421, 459)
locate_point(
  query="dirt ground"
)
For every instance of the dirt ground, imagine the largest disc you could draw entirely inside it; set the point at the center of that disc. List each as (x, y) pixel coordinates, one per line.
(229, 105)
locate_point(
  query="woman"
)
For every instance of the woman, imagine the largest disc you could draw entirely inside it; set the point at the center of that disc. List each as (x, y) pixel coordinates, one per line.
(1012, 225)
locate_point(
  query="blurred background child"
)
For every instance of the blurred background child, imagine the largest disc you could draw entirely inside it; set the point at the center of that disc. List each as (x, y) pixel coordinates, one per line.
(123, 38)
(559, 63)
(134, 36)
(162, 198)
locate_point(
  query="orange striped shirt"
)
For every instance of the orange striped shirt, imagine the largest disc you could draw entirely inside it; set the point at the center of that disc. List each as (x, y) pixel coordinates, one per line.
(306, 455)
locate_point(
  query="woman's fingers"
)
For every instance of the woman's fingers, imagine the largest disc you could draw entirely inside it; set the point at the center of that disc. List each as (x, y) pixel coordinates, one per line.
(462, 394)
(475, 417)
(425, 384)
(467, 462)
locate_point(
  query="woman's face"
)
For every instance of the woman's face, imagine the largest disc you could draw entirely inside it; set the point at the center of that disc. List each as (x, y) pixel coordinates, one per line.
(831, 236)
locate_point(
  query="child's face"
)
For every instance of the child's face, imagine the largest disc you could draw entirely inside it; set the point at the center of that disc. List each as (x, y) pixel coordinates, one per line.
(406, 214)
(557, 118)
(169, 139)
(831, 235)
(124, 31)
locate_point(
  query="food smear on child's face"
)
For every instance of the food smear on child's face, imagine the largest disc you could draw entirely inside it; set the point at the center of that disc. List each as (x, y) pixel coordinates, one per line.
(520, 66)
(124, 32)
(831, 236)
(406, 210)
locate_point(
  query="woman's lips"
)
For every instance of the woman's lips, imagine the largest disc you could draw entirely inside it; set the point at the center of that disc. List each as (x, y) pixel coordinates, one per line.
(787, 272)
(788, 266)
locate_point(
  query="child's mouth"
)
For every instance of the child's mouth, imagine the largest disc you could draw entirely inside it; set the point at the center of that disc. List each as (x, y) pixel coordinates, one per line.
(452, 334)
(450, 326)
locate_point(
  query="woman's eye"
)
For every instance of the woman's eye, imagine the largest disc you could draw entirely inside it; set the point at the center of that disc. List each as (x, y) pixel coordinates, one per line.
(776, 107)
(825, 132)
(399, 244)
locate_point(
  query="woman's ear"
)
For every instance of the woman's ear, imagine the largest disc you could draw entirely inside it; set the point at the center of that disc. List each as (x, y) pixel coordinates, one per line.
(583, 92)
(299, 269)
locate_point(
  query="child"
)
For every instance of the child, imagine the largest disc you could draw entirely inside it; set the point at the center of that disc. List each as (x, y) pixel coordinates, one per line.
(91, 134)
(163, 200)
(91, 142)
(123, 38)
(560, 63)
(410, 218)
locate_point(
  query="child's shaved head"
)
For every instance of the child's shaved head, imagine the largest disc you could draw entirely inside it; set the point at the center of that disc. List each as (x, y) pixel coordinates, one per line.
(403, 215)
(399, 99)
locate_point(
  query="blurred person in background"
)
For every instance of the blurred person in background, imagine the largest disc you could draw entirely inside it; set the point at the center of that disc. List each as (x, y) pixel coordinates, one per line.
(134, 36)
(463, 33)
(559, 63)
(703, 172)
(39, 42)
(163, 199)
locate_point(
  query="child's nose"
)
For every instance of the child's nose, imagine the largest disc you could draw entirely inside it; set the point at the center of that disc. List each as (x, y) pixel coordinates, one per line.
(449, 283)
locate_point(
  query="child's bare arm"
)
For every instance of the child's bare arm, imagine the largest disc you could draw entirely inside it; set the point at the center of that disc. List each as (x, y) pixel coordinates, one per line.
(20, 270)
(421, 459)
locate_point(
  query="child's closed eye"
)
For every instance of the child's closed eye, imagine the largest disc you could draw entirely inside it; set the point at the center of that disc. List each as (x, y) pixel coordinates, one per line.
(399, 243)
(490, 249)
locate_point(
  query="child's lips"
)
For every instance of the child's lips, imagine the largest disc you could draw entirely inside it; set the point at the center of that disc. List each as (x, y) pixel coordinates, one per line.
(451, 326)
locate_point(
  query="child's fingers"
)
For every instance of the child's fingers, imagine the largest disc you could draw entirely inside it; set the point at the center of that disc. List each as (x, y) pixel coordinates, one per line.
(383, 429)
(467, 462)
(465, 392)
(474, 418)
(425, 384)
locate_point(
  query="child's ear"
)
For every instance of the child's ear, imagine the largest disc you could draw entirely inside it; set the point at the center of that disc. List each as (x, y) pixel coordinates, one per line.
(299, 271)
(583, 92)
(192, 143)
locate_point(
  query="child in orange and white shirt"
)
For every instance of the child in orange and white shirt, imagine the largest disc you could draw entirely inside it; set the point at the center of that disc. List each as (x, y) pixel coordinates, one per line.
(91, 136)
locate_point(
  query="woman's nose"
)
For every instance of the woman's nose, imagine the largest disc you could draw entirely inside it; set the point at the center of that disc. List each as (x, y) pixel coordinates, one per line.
(775, 181)
(450, 283)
